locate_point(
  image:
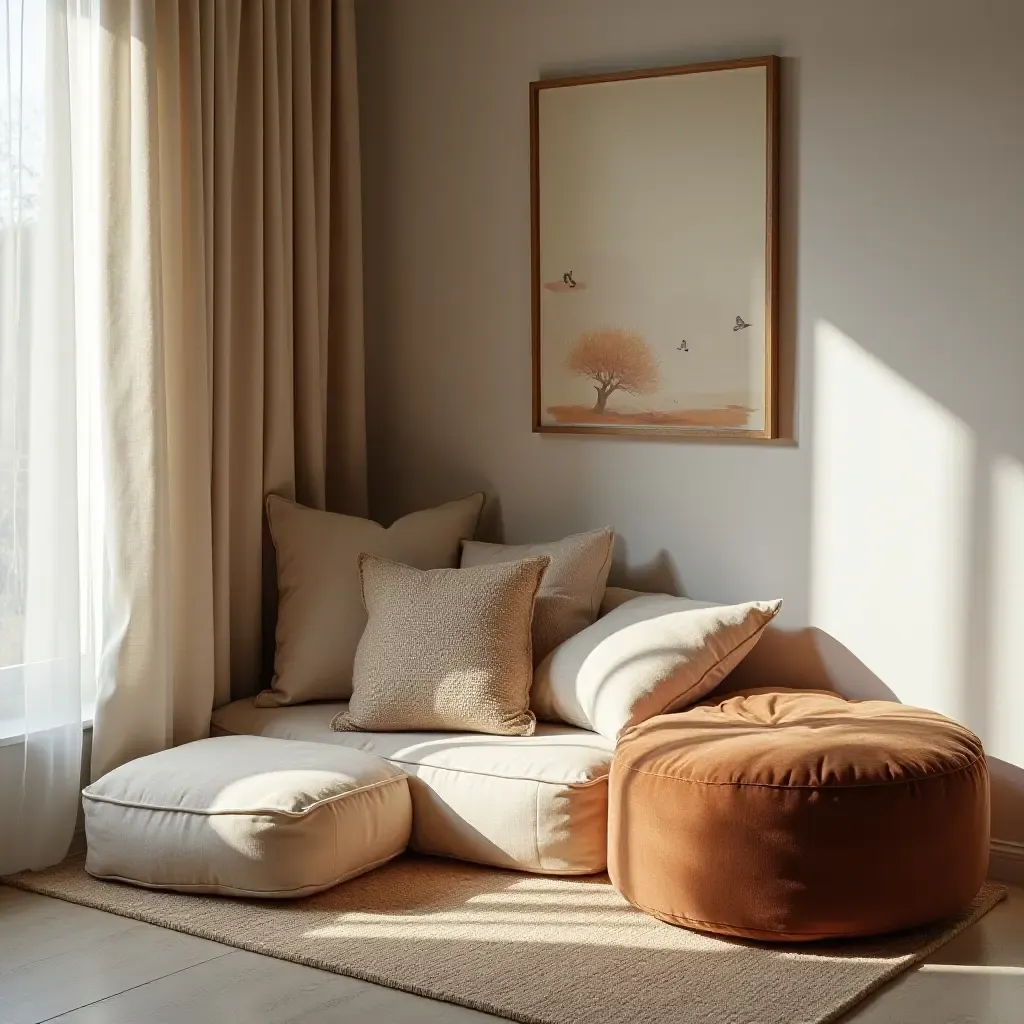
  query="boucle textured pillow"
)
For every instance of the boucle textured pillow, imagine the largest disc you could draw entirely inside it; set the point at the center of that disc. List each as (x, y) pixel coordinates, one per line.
(446, 649)
(320, 614)
(570, 594)
(646, 657)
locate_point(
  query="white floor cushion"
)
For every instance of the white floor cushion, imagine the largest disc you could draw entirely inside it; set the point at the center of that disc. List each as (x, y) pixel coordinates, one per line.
(534, 803)
(246, 816)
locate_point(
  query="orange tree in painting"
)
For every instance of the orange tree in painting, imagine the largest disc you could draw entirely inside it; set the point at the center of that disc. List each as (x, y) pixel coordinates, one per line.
(616, 360)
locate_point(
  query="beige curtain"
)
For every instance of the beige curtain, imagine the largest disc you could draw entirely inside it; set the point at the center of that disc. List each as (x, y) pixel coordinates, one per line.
(234, 365)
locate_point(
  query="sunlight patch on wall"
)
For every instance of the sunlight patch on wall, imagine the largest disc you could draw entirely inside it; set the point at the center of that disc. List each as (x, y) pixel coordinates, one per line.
(1005, 737)
(891, 501)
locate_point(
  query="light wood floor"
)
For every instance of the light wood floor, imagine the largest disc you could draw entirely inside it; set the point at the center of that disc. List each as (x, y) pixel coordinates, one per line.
(62, 962)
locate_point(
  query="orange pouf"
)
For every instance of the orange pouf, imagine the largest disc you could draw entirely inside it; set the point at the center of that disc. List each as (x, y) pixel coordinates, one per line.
(791, 817)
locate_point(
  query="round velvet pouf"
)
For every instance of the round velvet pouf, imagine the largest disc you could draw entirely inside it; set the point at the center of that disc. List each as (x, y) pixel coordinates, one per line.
(795, 816)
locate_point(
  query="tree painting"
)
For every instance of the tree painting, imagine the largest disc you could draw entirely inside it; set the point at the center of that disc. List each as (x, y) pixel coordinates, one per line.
(616, 360)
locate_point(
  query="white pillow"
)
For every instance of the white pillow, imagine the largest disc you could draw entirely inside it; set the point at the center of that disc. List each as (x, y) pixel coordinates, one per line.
(651, 655)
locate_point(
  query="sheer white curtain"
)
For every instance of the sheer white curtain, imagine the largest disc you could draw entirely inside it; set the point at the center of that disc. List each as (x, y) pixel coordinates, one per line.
(51, 508)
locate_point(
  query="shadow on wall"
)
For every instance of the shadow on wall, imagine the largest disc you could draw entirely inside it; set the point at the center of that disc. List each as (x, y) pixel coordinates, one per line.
(917, 549)
(916, 349)
(811, 659)
(806, 659)
(659, 575)
(917, 554)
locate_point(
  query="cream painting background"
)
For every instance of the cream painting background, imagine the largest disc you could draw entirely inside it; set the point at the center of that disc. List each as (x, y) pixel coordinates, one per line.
(652, 192)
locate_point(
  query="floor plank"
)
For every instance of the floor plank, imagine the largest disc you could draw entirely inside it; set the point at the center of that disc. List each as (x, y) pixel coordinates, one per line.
(930, 998)
(248, 987)
(58, 956)
(978, 978)
(35, 928)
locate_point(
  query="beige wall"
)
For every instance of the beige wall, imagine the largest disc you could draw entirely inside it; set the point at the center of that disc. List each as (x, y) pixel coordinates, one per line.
(894, 525)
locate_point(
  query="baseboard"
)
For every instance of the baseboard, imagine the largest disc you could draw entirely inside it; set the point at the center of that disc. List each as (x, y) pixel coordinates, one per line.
(1007, 861)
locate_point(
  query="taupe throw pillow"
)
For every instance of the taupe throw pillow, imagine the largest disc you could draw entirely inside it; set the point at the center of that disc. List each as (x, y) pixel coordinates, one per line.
(320, 614)
(447, 649)
(570, 594)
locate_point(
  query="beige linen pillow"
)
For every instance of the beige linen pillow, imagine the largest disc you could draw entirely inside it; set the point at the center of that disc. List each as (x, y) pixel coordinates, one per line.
(570, 594)
(320, 614)
(649, 655)
(447, 649)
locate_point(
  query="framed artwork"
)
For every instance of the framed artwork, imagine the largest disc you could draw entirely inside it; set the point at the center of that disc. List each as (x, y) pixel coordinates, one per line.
(655, 268)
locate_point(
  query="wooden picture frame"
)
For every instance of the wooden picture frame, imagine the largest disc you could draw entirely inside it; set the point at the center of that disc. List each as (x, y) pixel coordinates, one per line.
(658, 189)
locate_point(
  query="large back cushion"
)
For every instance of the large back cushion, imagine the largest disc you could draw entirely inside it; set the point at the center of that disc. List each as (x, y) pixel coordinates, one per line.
(320, 614)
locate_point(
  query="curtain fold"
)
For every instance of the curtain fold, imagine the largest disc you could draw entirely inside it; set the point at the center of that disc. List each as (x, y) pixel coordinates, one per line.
(233, 337)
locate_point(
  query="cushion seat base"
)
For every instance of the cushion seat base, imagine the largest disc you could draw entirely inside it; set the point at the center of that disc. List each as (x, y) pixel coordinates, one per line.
(246, 816)
(531, 803)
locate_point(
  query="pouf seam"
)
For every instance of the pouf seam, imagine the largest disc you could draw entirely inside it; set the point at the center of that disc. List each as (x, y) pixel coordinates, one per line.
(213, 812)
(739, 930)
(818, 786)
(305, 890)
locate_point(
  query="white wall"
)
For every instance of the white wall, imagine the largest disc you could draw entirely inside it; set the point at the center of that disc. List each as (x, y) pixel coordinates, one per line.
(893, 525)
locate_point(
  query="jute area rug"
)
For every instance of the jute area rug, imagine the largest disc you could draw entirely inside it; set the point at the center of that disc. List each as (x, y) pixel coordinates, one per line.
(534, 949)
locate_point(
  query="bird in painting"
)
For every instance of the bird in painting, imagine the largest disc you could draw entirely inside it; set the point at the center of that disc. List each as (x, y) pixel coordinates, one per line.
(682, 346)
(740, 324)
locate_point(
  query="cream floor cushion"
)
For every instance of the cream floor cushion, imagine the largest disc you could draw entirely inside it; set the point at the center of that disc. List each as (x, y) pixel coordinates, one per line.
(246, 816)
(534, 803)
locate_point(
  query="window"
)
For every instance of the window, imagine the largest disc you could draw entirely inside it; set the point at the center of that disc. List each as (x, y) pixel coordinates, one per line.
(47, 456)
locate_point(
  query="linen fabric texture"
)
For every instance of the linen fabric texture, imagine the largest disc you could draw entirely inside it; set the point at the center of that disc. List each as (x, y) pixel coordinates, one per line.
(246, 816)
(527, 803)
(570, 594)
(320, 615)
(445, 648)
(230, 329)
(647, 656)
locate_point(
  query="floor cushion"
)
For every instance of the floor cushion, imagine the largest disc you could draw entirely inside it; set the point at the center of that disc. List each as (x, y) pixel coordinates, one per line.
(534, 803)
(799, 816)
(246, 816)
